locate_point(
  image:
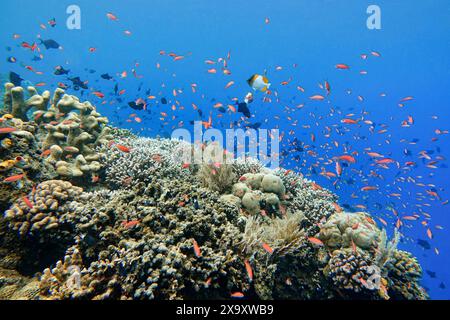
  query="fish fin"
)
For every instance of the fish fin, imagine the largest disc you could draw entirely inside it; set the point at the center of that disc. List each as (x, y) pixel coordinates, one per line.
(264, 89)
(251, 80)
(265, 79)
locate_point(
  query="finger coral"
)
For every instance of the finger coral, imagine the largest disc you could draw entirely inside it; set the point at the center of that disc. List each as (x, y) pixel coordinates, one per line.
(44, 210)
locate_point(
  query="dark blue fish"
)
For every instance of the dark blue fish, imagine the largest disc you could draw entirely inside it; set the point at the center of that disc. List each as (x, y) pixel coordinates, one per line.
(424, 244)
(15, 79)
(59, 70)
(243, 108)
(50, 44)
(106, 76)
(78, 83)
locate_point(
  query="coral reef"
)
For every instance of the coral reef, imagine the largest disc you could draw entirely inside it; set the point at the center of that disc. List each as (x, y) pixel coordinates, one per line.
(153, 226)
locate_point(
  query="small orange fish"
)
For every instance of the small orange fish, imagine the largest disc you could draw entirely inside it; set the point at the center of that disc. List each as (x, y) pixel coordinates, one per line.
(267, 248)
(112, 16)
(369, 188)
(130, 224)
(349, 121)
(315, 241)
(317, 97)
(27, 202)
(123, 148)
(238, 295)
(248, 267)
(45, 153)
(229, 84)
(342, 66)
(197, 251)
(347, 158)
(7, 130)
(14, 178)
(98, 94)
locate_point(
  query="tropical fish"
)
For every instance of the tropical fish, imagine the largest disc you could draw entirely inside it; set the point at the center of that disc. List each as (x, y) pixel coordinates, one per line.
(196, 248)
(258, 82)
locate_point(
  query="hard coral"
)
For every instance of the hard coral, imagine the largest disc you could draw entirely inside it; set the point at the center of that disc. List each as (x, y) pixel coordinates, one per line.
(44, 210)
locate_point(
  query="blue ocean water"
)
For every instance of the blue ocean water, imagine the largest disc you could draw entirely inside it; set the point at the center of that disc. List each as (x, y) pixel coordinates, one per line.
(300, 43)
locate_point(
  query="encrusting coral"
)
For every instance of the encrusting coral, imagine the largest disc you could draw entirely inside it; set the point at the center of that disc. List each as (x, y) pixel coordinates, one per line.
(151, 226)
(44, 209)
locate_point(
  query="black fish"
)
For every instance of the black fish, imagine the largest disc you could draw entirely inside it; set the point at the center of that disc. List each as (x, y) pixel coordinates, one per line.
(221, 109)
(441, 285)
(243, 108)
(15, 79)
(106, 76)
(78, 83)
(36, 58)
(163, 100)
(424, 244)
(11, 60)
(59, 70)
(50, 44)
(432, 274)
(136, 106)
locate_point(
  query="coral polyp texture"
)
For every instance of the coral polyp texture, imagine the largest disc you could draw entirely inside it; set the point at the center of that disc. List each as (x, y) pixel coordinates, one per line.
(94, 212)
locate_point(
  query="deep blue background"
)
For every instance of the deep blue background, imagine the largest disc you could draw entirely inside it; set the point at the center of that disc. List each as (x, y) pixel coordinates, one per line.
(414, 42)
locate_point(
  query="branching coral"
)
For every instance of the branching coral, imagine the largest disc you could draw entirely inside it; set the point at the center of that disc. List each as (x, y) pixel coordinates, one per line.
(146, 158)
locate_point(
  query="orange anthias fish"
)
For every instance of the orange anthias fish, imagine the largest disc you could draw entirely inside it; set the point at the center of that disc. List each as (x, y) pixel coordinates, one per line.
(98, 94)
(317, 97)
(347, 158)
(7, 130)
(197, 251)
(342, 66)
(369, 188)
(14, 178)
(267, 248)
(130, 224)
(27, 202)
(315, 241)
(249, 270)
(237, 295)
(123, 148)
(112, 16)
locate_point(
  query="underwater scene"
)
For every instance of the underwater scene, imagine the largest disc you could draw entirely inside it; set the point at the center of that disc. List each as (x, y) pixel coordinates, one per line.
(224, 150)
